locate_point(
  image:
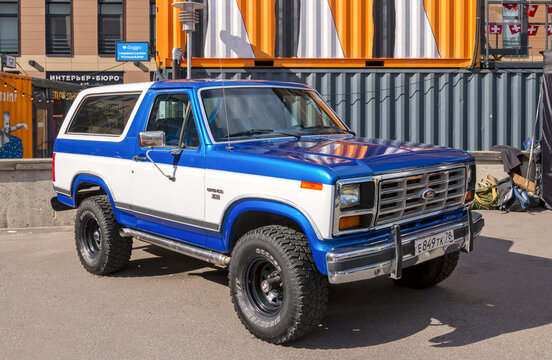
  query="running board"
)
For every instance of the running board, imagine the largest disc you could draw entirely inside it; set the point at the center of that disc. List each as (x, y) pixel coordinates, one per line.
(179, 247)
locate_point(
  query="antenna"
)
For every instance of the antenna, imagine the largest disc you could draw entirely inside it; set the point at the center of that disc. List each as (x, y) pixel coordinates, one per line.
(228, 147)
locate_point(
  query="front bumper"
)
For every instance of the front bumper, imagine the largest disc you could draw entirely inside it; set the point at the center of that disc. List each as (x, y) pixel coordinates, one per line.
(388, 258)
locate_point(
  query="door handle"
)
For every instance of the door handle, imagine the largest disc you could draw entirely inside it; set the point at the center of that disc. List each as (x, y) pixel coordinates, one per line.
(139, 158)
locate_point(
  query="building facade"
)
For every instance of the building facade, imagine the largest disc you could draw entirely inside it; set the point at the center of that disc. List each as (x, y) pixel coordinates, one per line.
(74, 40)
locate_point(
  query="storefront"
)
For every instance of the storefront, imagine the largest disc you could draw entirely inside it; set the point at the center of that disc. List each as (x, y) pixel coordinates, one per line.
(32, 110)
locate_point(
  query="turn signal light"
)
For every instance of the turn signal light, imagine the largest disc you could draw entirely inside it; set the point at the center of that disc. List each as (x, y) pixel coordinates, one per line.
(349, 222)
(311, 185)
(469, 196)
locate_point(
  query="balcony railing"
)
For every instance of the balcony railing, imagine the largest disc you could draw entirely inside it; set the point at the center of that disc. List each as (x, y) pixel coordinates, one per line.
(517, 30)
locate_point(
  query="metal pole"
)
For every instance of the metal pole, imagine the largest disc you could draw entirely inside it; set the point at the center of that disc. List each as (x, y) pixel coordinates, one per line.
(189, 54)
(487, 35)
(176, 56)
(188, 18)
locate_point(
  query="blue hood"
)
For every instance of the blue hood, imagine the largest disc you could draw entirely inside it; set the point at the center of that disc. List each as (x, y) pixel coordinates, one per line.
(344, 156)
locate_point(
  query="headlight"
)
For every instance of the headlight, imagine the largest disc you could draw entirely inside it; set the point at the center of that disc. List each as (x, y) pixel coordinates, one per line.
(350, 196)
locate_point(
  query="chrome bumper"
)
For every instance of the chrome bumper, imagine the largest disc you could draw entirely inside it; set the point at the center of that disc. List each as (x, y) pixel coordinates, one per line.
(388, 258)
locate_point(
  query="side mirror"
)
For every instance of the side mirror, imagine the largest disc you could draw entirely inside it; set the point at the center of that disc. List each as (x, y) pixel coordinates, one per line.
(151, 139)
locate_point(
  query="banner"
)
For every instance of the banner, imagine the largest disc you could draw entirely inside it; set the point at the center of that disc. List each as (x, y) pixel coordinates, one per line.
(16, 133)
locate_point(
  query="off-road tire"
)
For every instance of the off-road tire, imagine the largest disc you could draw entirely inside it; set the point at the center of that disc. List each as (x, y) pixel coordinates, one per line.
(303, 288)
(100, 248)
(429, 273)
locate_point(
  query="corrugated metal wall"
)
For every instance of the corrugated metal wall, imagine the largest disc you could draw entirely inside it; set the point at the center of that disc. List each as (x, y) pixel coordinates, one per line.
(294, 32)
(470, 110)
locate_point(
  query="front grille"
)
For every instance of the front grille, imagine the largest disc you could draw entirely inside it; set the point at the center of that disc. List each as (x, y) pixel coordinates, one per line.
(401, 197)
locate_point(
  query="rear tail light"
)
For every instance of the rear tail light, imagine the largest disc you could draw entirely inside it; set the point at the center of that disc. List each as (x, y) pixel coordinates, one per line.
(54, 167)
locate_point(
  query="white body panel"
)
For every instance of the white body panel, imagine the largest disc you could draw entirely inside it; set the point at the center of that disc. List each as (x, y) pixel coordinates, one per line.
(316, 205)
(114, 172)
(187, 196)
(182, 197)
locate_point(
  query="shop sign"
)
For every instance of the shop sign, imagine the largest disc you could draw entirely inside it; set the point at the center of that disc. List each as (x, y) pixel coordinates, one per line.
(63, 95)
(87, 78)
(132, 51)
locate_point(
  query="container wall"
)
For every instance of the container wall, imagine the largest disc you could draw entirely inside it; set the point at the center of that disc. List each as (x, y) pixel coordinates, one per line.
(324, 33)
(16, 128)
(466, 110)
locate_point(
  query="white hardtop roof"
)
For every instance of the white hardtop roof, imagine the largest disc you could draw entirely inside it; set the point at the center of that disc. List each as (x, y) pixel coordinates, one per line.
(117, 88)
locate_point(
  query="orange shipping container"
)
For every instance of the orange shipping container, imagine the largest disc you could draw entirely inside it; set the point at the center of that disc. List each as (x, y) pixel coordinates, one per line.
(16, 133)
(324, 33)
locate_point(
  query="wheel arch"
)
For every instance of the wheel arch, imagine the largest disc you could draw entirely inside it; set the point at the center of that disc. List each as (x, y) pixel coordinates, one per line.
(84, 181)
(247, 214)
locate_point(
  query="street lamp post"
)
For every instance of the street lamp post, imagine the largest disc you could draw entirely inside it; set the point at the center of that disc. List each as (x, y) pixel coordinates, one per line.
(188, 18)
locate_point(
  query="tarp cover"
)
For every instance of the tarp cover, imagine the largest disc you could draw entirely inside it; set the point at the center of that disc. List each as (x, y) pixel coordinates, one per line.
(547, 131)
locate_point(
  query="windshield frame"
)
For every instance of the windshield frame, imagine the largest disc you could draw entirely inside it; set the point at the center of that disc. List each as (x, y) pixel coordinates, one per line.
(316, 97)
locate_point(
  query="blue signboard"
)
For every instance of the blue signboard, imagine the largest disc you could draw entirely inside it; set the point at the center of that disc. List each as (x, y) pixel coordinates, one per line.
(132, 51)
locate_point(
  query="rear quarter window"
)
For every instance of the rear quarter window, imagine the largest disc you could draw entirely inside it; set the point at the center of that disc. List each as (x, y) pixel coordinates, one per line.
(103, 114)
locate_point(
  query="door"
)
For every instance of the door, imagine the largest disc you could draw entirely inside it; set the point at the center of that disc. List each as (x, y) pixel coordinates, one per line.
(42, 136)
(168, 199)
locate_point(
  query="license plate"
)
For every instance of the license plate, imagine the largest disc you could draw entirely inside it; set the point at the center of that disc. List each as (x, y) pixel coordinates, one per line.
(433, 242)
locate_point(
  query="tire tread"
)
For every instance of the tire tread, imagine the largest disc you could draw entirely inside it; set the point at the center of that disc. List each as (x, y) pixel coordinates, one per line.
(314, 295)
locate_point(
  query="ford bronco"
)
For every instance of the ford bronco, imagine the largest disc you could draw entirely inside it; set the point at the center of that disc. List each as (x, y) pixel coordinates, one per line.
(265, 179)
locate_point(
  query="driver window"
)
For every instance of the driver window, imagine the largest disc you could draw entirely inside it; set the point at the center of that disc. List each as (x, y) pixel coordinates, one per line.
(169, 113)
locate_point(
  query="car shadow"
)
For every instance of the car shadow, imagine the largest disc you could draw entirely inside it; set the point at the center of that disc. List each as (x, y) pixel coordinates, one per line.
(165, 262)
(492, 292)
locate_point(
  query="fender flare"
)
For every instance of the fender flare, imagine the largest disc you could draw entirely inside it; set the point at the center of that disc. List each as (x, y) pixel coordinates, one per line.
(96, 180)
(318, 247)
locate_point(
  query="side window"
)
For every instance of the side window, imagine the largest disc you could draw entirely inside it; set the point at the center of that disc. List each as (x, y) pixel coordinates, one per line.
(190, 137)
(103, 114)
(170, 112)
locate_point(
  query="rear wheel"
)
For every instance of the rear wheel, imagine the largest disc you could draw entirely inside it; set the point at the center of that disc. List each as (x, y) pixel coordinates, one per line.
(429, 273)
(277, 292)
(100, 248)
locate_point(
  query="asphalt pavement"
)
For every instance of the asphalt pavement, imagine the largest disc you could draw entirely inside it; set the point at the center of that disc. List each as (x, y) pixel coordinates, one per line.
(496, 305)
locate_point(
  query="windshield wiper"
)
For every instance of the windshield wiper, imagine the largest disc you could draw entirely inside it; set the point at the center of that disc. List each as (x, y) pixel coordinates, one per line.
(251, 132)
(326, 127)
(297, 136)
(349, 132)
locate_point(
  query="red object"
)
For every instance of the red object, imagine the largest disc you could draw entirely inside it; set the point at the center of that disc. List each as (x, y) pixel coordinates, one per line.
(532, 9)
(514, 29)
(549, 30)
(549, 9)
(510, 6)
(54, 167)
(495, 29)
(532, 30)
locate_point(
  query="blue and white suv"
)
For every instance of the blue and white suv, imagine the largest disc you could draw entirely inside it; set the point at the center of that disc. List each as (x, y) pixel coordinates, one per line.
(263, 178)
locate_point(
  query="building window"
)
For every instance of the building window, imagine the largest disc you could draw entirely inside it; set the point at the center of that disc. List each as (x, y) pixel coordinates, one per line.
(58, 27)
(9, 26)
(110, 25)
(153, 12)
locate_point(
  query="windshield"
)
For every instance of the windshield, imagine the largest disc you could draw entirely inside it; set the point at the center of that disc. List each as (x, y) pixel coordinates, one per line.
(263, 112)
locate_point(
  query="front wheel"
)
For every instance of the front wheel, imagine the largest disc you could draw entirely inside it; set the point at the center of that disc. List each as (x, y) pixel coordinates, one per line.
(429, 273)
(277, 292)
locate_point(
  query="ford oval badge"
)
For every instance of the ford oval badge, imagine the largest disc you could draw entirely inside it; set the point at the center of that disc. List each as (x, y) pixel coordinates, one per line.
(428, 194)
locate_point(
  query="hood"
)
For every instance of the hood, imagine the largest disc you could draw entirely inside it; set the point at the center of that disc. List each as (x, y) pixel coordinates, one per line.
(354, 156)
